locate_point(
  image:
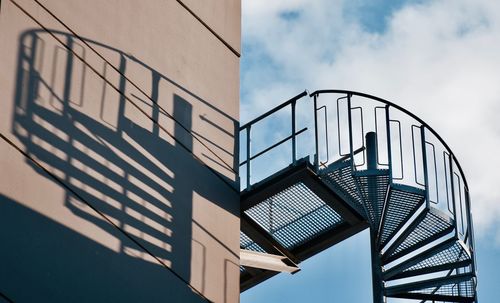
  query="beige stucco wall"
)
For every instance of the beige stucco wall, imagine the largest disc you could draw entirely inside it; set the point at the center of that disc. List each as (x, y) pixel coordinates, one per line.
(118, 164)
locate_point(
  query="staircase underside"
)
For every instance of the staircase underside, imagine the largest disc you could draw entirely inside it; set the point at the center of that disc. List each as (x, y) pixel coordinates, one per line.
(294, 214)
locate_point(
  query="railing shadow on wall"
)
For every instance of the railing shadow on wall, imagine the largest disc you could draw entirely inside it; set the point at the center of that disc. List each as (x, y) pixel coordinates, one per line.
(118, 151)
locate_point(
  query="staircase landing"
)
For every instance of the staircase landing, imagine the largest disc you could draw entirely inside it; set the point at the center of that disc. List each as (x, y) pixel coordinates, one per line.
(294, 214)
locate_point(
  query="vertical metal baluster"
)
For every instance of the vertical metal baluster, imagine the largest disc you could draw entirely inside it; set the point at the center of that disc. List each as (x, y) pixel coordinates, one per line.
(452, 183)
(424, 160)
(470, 230)
(316, 143)
(294, 141)
(248, 156)
(349, 120)
(389, 148)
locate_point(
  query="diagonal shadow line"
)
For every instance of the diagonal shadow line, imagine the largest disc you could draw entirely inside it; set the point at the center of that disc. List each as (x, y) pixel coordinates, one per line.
(122, 75)
(77, 195)
(2, 295)
(127, 98)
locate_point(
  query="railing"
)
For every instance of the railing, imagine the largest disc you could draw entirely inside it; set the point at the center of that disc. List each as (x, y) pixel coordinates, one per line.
(413, 152)
(247, 127)
(412, 159)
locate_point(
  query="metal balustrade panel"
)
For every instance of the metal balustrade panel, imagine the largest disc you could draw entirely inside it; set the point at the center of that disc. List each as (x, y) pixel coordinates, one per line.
(294, 215)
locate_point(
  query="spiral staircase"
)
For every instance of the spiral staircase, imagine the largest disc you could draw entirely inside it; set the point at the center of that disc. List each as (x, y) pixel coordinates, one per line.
(346, 161)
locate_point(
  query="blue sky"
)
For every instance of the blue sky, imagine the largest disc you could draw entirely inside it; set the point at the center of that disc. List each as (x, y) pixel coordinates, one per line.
(439, 59)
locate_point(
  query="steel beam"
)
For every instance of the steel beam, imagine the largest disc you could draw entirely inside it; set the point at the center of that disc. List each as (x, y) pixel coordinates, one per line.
(265, 261)
(264, 239)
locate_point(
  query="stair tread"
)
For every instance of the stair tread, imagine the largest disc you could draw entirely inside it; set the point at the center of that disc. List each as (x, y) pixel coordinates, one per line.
(461, 285)
(401, 205)
(446, 255)
(432, 224)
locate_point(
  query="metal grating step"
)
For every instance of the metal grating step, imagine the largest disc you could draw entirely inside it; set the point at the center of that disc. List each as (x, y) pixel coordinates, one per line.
(339, 178)
(401, 205)
(294, 215)
(452, 288)
(373, 186)
(430, 226)
(453, 292)
(448, 255)
(453, 254)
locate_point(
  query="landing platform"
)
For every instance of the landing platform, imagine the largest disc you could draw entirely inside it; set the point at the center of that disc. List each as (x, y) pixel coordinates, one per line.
(294, 214)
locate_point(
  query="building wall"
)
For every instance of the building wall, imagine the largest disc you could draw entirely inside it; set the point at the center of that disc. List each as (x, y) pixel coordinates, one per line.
(118, 167)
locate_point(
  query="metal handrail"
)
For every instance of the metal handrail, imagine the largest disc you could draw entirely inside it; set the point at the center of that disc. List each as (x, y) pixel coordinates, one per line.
(272, 111)
(463, 225)
(273, 146)
(248, 126)
(354, 93)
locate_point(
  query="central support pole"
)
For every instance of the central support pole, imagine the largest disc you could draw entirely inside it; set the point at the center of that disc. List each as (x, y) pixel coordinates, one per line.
(371, 150)
(377, 284)
(371, 155)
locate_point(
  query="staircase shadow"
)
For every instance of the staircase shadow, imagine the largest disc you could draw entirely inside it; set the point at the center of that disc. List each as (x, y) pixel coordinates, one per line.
(113, 164)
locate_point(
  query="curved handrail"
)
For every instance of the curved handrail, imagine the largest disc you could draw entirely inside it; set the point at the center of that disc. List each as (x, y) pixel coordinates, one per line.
(354, 93)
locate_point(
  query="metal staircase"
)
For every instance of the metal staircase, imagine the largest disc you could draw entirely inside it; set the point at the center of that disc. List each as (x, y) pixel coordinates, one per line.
(375, 165)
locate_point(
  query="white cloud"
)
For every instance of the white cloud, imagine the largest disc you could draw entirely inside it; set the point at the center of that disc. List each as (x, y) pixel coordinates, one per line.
(439, 59)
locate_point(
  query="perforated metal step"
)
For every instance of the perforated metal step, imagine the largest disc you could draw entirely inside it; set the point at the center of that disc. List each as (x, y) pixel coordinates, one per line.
(294, 215)
(373, 185)
(430, 226)
(401, 205)
(448, 255)
(453, 288)
(340, 178)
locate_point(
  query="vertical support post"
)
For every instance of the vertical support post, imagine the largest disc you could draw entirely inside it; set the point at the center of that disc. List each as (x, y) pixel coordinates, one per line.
(424, 161)
(316, 142)
(371, 165)
(248, 156)
(371, 155)
(377, 283)
(349, 121)
(294, 139)
(452, 183)
(389, 142)
(470, 230)
(371, 150)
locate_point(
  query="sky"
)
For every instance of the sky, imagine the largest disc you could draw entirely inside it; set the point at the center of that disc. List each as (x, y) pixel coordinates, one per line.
(438, 59)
